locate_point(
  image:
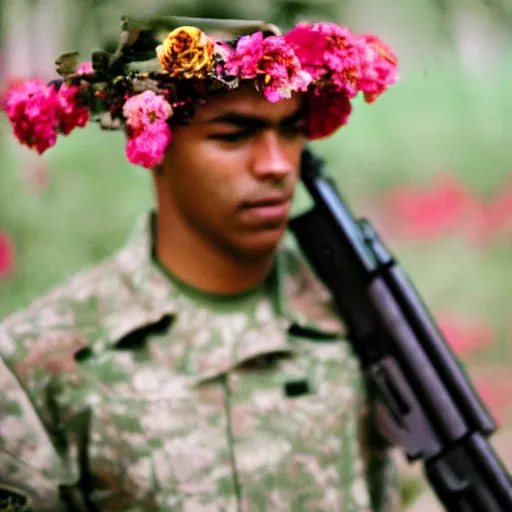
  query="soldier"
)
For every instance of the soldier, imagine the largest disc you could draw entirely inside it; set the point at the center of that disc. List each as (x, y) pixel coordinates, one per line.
(201, 367)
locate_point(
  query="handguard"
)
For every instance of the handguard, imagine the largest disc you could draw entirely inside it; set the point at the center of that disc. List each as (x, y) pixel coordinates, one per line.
(431, 408)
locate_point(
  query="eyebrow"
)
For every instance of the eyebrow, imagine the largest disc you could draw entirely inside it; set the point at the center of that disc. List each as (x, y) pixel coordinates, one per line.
(255, 122)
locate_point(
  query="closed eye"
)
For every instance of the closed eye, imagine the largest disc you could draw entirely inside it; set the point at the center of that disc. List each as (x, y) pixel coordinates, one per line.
(294, 129)
(232, 136)
(290, 131)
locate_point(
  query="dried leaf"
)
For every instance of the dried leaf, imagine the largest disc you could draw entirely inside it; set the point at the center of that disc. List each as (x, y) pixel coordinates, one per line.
(231, 84)
(67, 63)
(146, 84)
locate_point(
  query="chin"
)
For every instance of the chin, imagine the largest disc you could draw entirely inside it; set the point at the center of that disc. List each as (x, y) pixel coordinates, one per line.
(261, 244)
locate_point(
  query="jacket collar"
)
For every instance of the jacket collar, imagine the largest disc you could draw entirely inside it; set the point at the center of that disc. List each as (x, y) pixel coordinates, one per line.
(301, 299)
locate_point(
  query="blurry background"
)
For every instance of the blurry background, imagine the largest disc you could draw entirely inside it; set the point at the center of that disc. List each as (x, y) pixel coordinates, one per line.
(429, 163)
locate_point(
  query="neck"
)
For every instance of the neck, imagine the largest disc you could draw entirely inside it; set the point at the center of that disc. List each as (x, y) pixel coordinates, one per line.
(203, 264)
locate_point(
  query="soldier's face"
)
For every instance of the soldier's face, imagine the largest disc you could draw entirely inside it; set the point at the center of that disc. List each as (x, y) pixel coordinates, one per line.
(230, 174)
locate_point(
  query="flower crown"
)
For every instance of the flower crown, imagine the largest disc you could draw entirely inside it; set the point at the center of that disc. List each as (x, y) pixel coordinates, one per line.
(156, 77)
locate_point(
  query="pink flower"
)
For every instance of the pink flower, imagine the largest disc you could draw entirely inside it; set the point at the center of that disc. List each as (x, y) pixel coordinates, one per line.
(71, 113)
(32, 109)
(85, 68)
(223, 52)
(6, 255)
(148, 132)
(378, 67)
(330, 53)
(145, 109)
(244, 61)
(327, 110)
(310, 46)
(148, 147)
(271, 62)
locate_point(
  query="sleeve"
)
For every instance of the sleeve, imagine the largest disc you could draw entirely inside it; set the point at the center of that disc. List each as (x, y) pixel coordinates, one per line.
(33, 476)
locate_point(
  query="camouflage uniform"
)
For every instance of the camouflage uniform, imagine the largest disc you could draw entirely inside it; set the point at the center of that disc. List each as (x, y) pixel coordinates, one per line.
(121, 393)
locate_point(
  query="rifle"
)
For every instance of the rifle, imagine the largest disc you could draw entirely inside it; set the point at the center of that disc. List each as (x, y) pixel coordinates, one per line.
(432, 411)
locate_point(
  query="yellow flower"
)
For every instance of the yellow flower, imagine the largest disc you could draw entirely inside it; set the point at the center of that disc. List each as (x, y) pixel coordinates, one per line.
(186, 52)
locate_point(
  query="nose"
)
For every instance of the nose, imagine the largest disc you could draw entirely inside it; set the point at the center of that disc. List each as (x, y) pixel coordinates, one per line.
(272, 158)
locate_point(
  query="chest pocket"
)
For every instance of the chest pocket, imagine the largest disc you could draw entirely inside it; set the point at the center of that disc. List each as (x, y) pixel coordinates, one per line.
(151, 441)
(294, 428)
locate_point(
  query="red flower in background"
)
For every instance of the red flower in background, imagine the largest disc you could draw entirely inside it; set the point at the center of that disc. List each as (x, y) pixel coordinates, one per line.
(498, 216)
(6, 255)
(447, 206)
(493, 386)
(464, 336)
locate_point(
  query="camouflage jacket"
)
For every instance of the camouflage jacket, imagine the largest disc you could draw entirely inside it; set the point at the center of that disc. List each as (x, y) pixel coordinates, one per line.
(120, 394)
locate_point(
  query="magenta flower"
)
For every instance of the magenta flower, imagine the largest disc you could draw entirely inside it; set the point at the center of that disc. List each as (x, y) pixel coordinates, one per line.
(243, 62)
(32, 109)
(85, 68)
(148, 147)
(38, 112)
(330, 53)
(222, 51)
(271, 62)
(70, 112)
(145, 109)
(310, 46)
(378, 67)
(6, 255)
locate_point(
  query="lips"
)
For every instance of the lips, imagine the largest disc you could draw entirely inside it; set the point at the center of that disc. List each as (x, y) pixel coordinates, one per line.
(271, 208)
(271, 200)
